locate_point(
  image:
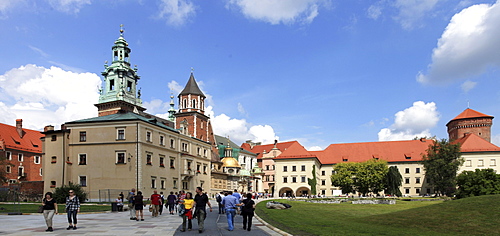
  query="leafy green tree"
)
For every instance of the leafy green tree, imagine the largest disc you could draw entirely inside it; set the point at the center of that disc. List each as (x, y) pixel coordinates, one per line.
(441, 164)
(393, 181)
(478, 182)
(370, 176)
(343, 176)
(313, 181)
(61, 193)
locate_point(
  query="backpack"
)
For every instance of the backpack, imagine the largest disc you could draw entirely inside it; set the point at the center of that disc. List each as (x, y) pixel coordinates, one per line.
(219, 198)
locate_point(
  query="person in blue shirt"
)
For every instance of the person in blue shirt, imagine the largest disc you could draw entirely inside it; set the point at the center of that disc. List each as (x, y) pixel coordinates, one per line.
(230, 203)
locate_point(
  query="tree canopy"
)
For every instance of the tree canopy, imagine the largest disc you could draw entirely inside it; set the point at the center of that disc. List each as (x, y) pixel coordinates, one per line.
(393, 181)
(441, 164)
(363, 177)
(313, 181)
(478, 182)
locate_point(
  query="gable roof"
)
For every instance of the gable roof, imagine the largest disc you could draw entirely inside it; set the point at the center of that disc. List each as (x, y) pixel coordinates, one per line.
(192, 87)
(259, 149)
(295, 150)
(30, 142)
(472, 143)
(469, 113)
(391, 151)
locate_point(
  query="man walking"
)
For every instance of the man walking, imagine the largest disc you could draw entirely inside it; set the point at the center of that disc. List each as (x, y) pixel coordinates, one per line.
(230, 203)
(201, 201)
(155, 202)
(219, 202)
(131, 206)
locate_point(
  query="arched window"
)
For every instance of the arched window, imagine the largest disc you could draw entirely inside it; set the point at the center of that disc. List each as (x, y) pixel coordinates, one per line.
(194, 103)
(184, 103)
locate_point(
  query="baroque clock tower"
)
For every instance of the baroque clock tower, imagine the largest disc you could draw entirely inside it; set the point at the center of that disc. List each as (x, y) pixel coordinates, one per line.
(120, 82)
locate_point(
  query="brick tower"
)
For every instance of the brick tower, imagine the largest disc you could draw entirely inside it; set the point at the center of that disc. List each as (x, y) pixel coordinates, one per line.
(470, 121)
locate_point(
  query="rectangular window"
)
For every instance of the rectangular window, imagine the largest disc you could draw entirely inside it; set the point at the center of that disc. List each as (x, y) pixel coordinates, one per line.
(37, 159)
(267, 167)
(417, 190)
(148, 136)
(323, 182)
(323, 191)
(468, 163)
(174, 183)
(52, 184)
(294, 168)
(185, 185)
(303, 168)
(20, 157)
(417, 170)
(172, 162)
(20, 171)
(153, 182)
(205, 169)
(480, 163)
(162, 140)
(294, 179)
(162, 159)
(407, 191)
(8, 155)
(41, 173)
(53, 138)
(8, 169)
(285, 179)
(303, 179)
(417, 180)
(172, 143)
(82, 160)
(148, 159)
(53, 159)
(407, 170)
(83, 136)
(323, 173)
(120, 134)
(83, 181)
(162, 184)
(120, 158)
(493, 162)
(407, 180)
(285, 168)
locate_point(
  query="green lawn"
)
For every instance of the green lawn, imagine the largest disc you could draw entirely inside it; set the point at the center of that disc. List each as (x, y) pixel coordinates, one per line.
(469, 216)
(32, 208)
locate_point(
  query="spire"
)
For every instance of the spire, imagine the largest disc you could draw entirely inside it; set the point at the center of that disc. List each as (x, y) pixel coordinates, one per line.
(192, 87)
(171, 111)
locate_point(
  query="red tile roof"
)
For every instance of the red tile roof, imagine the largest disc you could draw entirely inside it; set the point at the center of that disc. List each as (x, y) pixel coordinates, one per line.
(472, 143)
(295, 151)
(259, 149)
(469, 113)
(391, 151)
(30, 142)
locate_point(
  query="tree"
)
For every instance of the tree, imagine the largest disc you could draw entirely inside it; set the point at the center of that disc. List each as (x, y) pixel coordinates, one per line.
(478, 182)
(343, 176)
(313, 181)
(61, 193)
(393, 181)
(441, 164)
(364, 177)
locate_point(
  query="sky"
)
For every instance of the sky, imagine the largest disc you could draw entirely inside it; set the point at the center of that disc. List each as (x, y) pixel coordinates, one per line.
(315, 71)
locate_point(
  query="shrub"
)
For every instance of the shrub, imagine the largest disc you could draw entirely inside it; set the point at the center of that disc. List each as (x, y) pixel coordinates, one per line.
(62, 192)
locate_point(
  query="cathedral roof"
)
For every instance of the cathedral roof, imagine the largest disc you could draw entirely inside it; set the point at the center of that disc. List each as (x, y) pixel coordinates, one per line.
(230, 162)
(472, 143)
(469, 113)
(192, 87)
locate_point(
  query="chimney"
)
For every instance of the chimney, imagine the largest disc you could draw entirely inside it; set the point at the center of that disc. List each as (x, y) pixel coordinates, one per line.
(19, 127)
(48, 128)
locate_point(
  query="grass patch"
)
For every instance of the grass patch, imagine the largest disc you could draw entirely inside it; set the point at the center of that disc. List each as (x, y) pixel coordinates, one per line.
(469, 216)
(33, 208)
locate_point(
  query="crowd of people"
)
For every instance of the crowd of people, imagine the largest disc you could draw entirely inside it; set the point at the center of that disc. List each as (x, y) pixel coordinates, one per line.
(182, 203)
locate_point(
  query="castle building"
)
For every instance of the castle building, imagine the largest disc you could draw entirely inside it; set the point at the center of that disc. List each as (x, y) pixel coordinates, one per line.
(124, 147)
(21, 152)
(470, 122)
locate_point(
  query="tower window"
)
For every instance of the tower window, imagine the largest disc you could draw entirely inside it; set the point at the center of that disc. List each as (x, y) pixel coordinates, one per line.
(184, 105)
(129, 86)
(112, 84)
(194, 103)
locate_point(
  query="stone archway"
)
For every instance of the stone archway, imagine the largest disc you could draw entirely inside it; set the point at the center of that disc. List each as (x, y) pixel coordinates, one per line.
(285, 192)
(303, 191)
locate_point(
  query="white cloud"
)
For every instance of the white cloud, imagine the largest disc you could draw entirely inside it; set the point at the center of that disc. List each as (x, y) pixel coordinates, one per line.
(468, 47)
(69, 6)
(176, 12)
(412, 11)
(278, 11)
(415, 121)
(468, 85)
(241, 109)
(315, 148)
(374, 11)
(495, 139)
(6, 5)
(42, 96)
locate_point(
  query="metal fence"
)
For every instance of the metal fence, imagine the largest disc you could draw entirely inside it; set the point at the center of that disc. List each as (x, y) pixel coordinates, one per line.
(110, 195)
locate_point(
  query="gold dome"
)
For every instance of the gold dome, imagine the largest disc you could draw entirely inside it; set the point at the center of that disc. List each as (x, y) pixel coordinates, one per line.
(230, 162)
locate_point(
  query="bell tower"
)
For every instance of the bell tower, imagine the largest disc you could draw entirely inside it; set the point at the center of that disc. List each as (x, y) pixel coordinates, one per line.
(119, 92)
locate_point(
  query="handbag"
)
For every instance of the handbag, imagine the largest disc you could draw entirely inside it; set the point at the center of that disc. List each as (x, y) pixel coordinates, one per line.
(150, 208)
(40, 209)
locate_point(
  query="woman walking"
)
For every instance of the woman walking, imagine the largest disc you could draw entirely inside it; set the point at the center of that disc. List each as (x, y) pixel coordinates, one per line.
(188, 203)
(72, 208)
(49, 209)
(139, 206)
(171, 200)
(247, 211)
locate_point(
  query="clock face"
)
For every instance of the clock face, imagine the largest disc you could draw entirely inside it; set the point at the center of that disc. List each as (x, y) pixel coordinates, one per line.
(230, 170)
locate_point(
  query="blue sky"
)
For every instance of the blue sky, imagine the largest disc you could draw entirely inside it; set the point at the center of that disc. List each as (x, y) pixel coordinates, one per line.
(315, 71)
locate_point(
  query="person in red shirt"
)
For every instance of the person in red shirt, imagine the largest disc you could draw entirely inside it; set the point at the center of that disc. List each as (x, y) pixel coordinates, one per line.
(155, 202)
